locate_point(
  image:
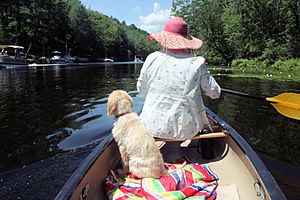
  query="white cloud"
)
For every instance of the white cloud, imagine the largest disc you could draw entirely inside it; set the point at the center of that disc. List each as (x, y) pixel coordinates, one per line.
(154, 22)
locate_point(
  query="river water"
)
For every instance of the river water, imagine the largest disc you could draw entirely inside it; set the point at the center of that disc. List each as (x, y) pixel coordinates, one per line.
(50, 112)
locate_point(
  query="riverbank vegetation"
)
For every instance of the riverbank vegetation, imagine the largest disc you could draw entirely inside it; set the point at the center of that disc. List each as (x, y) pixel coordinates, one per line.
(68, 26)
(246, 35)
(288, 70)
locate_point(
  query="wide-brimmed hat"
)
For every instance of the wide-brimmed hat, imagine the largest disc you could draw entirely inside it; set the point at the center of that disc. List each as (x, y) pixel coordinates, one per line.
(175, 36)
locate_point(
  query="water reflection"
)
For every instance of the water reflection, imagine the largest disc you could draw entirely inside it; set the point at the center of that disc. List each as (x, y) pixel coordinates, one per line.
(89, 128)
(50, 109)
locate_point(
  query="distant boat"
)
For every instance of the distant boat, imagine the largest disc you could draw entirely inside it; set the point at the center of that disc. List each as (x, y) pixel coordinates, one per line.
(108, 60)
(12, 56)
(56, 58)
(105, 60)
(137, 59)
(69, 59)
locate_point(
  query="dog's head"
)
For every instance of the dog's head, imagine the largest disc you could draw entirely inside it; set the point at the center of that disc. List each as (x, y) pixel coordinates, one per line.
(119, 102)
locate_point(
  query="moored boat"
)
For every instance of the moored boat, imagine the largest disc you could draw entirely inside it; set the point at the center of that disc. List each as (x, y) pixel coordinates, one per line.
(137, 59)
(108, 60)
(12, 56)
(241, 173)
(56, 58)
(69, 59)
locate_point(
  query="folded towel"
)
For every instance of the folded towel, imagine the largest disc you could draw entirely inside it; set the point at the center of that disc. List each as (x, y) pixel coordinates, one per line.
(193, 181)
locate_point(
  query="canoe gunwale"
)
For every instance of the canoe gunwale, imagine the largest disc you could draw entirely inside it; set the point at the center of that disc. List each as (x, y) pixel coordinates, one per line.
(268, 180)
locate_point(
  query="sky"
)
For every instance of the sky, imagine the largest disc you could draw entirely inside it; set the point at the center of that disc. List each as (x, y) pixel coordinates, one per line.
(147, 15)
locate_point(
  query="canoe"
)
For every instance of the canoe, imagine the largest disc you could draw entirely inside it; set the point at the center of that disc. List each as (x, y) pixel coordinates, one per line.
(241, 173)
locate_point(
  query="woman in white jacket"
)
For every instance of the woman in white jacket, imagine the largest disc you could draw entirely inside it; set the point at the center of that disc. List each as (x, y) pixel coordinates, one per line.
(171, 81)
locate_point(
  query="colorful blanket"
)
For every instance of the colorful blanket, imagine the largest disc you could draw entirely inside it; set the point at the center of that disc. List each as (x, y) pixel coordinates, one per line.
(193, 181)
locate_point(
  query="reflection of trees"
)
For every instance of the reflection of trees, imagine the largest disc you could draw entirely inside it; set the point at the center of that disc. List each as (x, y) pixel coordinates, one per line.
(36, 103)
(32, 107)
(122, 76)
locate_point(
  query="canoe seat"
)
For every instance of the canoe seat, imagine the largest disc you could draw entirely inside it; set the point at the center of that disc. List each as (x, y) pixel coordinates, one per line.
(227, 192)
(160, 144)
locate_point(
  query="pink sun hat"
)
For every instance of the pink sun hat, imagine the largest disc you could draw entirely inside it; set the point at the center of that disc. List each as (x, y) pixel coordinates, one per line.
(175, 36)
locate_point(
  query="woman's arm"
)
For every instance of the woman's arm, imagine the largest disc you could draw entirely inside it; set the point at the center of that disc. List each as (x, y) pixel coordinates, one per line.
(142, 82)
(208, 84)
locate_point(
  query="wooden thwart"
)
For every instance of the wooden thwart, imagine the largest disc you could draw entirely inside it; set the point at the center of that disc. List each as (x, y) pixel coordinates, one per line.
(197, 137)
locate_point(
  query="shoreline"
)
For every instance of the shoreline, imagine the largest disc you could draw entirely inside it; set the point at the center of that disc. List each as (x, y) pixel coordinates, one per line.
(265, 73)
(281, 70)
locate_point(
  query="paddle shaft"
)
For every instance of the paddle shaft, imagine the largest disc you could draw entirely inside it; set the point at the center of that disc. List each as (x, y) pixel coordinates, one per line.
(287, 104)
(243, 94)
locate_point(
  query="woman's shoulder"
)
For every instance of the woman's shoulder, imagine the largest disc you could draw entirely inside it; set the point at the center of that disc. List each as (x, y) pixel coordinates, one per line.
(154, 54)
(151, 57)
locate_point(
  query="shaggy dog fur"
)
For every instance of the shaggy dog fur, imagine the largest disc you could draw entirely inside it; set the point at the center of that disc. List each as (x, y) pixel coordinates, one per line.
(139, 152)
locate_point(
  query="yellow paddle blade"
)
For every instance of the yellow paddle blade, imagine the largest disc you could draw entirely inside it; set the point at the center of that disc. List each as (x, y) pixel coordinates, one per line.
(287, 104)
(288, 112)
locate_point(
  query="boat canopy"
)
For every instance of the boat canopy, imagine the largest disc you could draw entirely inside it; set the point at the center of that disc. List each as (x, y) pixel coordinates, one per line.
(56, 52)
(3, 46)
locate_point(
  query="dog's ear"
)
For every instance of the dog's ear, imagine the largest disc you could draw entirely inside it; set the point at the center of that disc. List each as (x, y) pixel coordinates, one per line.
(111, 106)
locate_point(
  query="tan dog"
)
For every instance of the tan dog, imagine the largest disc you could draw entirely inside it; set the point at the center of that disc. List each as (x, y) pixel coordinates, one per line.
(139, 152)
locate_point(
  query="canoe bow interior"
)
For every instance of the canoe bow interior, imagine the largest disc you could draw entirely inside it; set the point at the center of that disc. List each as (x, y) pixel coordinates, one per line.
(242, 175)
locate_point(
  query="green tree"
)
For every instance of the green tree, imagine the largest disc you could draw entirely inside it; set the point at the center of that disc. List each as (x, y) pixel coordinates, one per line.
(138, 42)
(83, 35)
(45, 26)
(205, 20)
(266, 30)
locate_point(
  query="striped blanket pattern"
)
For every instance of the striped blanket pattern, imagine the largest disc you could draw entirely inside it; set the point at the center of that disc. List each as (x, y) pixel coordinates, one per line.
(193, 181)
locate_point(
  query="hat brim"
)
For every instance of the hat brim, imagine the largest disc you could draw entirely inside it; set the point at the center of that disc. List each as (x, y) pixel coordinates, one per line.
(176, 41)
